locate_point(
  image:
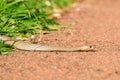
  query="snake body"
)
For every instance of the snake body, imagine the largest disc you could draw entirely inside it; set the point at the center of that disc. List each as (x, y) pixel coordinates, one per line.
(19, 44)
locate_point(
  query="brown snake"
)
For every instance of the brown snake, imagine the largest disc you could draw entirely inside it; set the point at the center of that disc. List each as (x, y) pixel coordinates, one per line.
(19, 44)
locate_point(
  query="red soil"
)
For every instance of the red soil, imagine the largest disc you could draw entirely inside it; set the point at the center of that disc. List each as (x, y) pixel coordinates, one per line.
(96, 23)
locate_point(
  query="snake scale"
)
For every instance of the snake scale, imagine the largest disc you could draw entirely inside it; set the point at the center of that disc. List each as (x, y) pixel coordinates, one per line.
(20, 44)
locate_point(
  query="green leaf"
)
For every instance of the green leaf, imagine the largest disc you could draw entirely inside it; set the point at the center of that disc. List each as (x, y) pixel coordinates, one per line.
(56, 27)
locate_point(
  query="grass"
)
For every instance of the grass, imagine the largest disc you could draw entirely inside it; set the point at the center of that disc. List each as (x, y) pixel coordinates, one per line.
(4, 48)
(26, 17)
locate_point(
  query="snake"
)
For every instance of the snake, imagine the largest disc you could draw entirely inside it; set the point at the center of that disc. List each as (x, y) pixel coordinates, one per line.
(22, 45)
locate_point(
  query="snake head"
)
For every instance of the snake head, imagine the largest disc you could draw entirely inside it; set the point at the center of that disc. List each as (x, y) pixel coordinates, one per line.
(87, 48)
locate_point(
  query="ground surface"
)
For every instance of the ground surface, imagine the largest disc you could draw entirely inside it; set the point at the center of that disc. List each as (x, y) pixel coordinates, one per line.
(96, 23)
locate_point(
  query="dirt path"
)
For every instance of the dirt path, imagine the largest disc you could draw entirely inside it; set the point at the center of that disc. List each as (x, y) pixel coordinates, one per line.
(96, 23)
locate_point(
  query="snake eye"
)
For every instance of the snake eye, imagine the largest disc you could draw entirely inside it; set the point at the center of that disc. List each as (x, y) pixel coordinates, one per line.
(91, 47)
